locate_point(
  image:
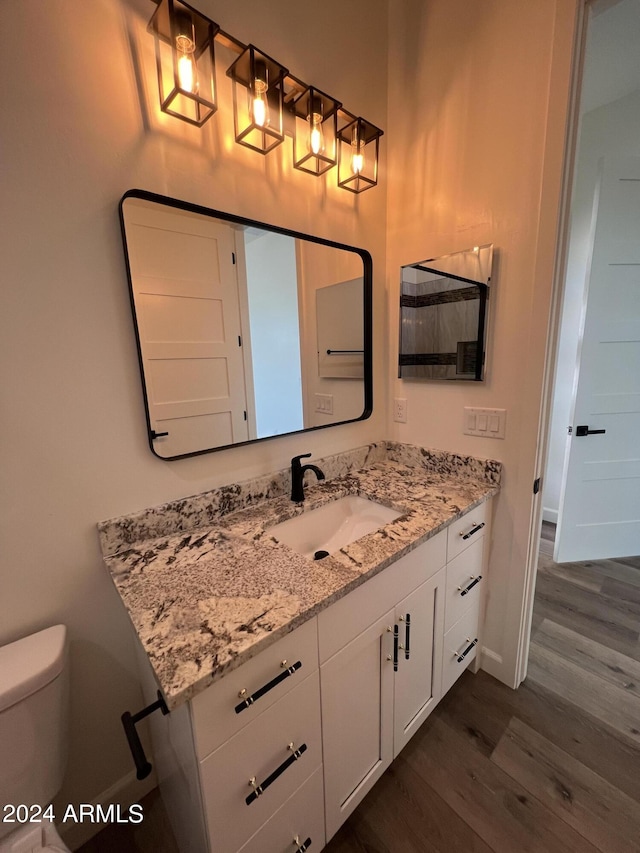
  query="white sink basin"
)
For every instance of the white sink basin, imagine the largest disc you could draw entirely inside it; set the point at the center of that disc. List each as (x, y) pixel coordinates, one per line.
(332, 526)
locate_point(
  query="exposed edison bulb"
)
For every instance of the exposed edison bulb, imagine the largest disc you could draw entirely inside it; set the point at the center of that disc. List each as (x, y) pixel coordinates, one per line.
(259, 105)
(187, 71)
(357, 153)
(316, 137)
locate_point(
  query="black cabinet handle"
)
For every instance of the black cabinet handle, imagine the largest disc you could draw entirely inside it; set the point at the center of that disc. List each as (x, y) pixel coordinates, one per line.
(395, 648)
(460, 656)
(300, 848)
(143, 767)
(468, 588)
(407, 636)
(246, 703)
(584, 430)
(258, 790)
(472, 531)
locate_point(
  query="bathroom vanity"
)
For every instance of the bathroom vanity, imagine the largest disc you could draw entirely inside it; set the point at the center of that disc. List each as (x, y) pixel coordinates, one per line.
(293, 683)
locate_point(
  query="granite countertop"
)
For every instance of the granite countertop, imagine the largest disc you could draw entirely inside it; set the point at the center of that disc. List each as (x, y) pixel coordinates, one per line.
(207, 587)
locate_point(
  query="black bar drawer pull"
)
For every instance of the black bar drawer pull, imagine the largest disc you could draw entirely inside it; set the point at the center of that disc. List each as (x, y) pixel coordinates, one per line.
(260, 789)
(472, 531)
(470, 586)
(246, 703)
(407, 641)
(300, 848)
(460, 656)
(395, 648)
(584, 430)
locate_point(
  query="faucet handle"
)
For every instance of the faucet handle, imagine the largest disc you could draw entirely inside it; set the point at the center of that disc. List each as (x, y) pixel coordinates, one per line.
(298, 458)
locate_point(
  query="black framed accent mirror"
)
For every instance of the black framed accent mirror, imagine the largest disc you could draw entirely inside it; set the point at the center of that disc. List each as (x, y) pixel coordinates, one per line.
(443, 316)
(245, 331)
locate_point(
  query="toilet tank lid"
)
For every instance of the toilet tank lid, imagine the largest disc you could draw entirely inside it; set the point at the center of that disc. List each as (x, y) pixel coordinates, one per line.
(31, 663)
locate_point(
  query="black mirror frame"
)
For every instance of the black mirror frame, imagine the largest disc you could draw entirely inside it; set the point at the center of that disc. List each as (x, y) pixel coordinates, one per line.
(367, 288)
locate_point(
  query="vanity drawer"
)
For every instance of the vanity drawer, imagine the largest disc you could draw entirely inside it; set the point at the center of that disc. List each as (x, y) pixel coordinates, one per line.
(466, 530)
(301, 818)
(339, 624)
(460, 647)
(264, 679)
(261, 751)
(465, 583)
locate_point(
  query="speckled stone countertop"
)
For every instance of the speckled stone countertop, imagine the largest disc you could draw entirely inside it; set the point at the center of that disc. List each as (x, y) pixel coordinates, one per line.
(207, 587)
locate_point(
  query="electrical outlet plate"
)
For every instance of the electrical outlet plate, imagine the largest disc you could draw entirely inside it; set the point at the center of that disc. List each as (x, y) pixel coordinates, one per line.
(400, 410)
(489, 423)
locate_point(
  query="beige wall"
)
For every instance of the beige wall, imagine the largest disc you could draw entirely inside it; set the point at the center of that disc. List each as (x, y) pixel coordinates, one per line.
(78, 130)
(477, 103)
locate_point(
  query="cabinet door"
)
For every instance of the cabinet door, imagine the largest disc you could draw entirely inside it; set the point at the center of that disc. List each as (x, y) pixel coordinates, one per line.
(357, 714)
(417, 688)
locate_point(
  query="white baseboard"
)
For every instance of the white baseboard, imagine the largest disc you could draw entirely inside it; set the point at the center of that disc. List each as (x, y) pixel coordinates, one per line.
(549, 514)
(125, 792)
(492, 663)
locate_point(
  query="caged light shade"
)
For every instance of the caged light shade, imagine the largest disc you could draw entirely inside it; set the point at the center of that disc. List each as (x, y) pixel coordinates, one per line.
(258, 100)
(316, 139)
(185, 61)
(358, 143)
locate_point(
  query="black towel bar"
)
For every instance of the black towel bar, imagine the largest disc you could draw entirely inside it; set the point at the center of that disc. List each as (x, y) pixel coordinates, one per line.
(143, 767)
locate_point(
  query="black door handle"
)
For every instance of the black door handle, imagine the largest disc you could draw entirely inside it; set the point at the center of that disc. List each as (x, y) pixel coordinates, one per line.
(584, 430)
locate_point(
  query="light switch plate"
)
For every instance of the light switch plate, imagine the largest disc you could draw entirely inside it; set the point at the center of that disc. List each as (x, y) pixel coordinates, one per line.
(324, 403)
(489, 423)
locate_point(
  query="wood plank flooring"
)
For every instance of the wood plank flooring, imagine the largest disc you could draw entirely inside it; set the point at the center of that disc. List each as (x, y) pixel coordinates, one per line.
(553, 766)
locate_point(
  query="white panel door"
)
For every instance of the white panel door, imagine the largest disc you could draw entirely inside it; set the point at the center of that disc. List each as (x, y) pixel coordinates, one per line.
(186, 296)
(600, 502)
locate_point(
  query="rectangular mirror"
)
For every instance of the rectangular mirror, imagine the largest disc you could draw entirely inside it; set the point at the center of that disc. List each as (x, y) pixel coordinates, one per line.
(244, 331)
(443, 316)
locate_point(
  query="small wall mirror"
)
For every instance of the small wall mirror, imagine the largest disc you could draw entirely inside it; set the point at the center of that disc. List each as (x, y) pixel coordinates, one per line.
(443, 316)
(244, 331)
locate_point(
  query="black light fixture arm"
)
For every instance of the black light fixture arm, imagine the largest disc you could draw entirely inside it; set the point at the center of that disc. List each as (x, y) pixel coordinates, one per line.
(143, 767)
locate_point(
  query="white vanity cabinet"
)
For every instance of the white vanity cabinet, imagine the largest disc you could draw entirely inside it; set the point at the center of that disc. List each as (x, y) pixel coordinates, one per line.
(275, 755)
(240, 765)
(376, 691)
(390, 650)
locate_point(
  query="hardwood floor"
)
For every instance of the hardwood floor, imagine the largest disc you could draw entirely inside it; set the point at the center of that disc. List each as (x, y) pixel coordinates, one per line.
(552, 766)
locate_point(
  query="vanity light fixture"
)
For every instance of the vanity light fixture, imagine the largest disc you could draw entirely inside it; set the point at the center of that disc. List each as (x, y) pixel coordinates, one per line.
(324, 133)
(359, 145)
(316, 124)
(258, 100)
(185, 61)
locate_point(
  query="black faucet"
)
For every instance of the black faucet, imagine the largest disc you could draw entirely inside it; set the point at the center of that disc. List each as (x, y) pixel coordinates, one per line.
(297, 476)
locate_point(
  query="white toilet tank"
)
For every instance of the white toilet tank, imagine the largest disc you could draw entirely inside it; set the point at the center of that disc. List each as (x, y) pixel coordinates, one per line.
(33, 719)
